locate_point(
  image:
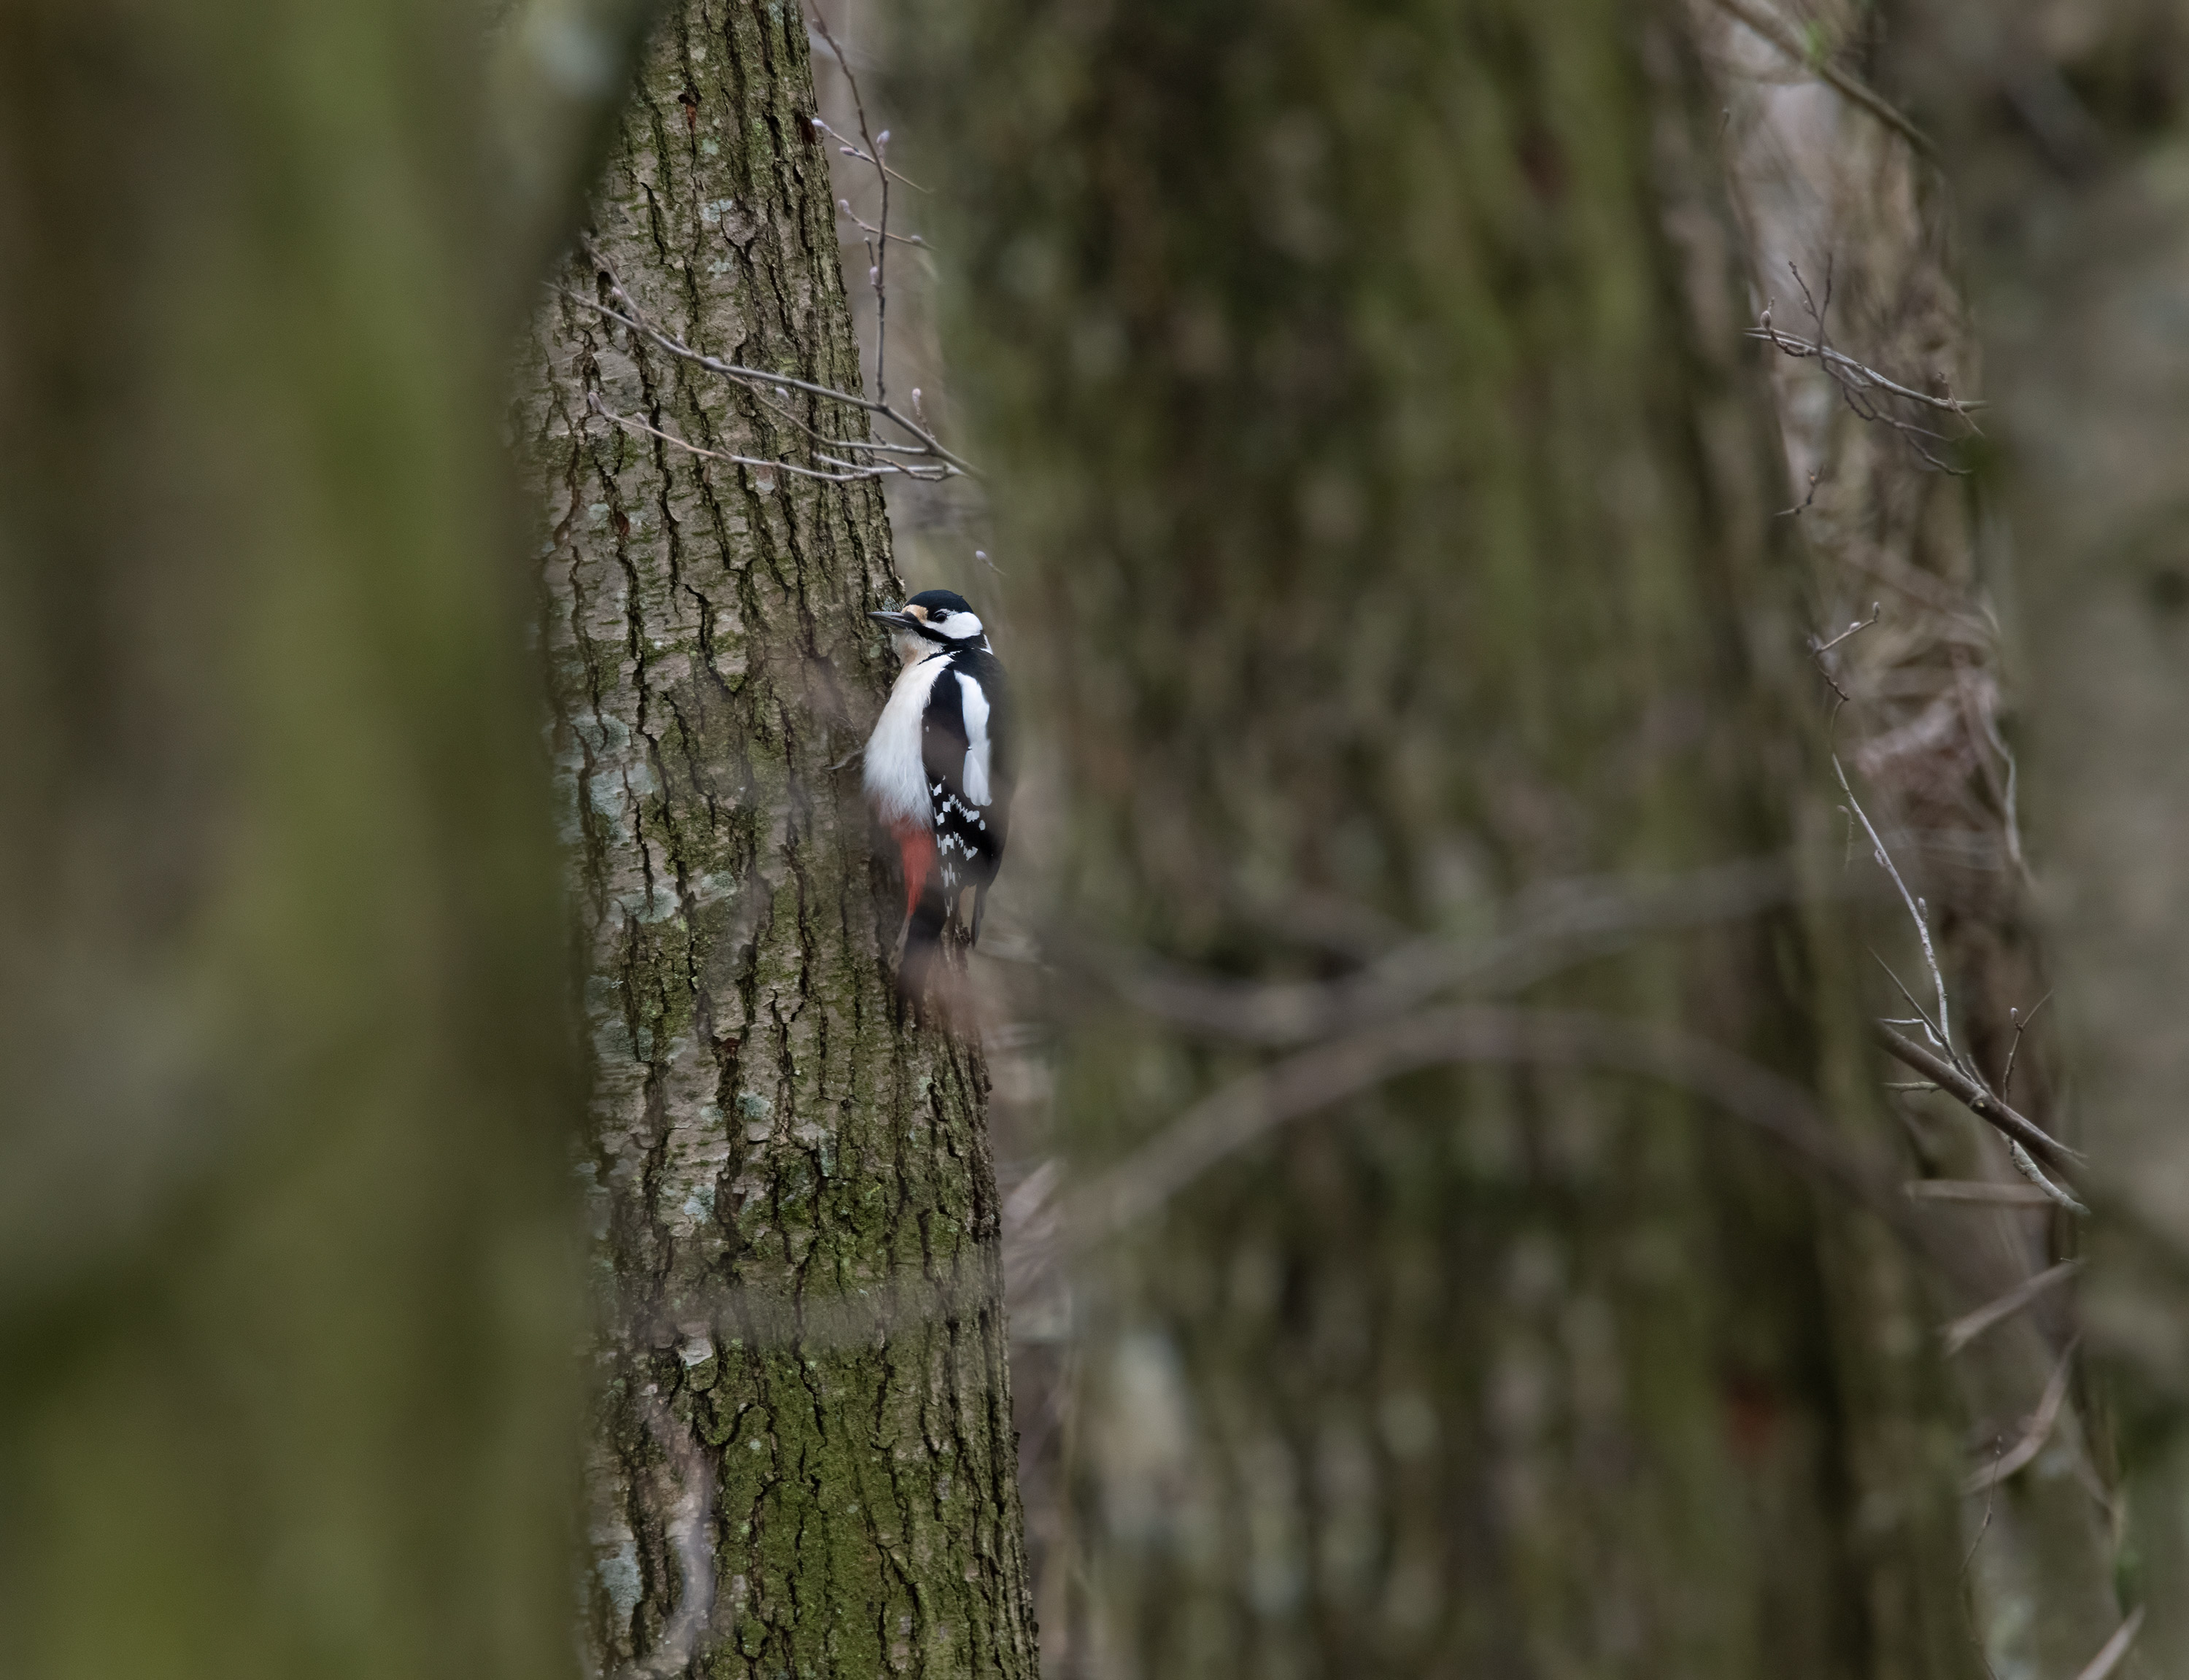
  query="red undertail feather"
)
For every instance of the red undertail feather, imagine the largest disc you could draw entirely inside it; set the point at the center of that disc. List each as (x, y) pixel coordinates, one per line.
(915, 844)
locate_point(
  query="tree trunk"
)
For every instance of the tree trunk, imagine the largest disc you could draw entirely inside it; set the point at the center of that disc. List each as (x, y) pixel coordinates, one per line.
(1361, 388)
(2063, 132)
(803, 1459)
(1842, 209)
(285, 1302)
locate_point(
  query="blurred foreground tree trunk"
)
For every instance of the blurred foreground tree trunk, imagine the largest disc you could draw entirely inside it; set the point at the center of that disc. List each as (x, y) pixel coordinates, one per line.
(1362, 387)
(1850, 235)
(285, 1279)
(803, 1458)
(2066, 132)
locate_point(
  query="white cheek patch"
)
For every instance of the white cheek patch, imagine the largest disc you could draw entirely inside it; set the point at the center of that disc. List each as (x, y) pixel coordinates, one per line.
(961, 627)
(975, 705)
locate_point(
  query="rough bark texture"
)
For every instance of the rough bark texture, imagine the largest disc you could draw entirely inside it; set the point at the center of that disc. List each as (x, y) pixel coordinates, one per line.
(804, 1455)
(285, 1216)
(1826, 187)
(2065, 131)
(1362, 387)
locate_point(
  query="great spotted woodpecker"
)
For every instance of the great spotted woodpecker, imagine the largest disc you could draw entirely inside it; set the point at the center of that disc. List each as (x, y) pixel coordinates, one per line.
(939, 768)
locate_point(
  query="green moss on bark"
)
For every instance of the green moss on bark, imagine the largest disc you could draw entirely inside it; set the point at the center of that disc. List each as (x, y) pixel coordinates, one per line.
(798, 1217)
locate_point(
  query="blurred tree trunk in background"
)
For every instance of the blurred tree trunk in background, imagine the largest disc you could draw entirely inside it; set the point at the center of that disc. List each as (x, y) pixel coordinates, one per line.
(803, 1459)
(1838, 198)
(1360, 389)
(285, 1217)
(2065, 131)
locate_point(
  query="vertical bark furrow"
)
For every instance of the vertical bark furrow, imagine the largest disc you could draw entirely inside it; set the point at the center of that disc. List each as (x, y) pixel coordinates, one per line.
(792, 1181)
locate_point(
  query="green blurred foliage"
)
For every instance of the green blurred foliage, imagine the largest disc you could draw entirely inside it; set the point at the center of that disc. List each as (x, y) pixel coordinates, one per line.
(285, 1304)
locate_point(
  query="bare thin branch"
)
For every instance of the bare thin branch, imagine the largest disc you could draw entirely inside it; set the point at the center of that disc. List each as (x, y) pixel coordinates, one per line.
(1979, 1100)
(865, 227)
(760, 377)
(631, 423)
(2021, 1026)
(2025, 1450)
(1876, 611)
(1977, 1191)
(1914, 911)
(1861, 387)
(877, 270)
(1576, 921)
(2029, 1170)
(852, 151)
(1922, 1017)
(1971, 1325)
(1774, 31)
(2110, 1654)
(1251, 1108)
(1868, 375)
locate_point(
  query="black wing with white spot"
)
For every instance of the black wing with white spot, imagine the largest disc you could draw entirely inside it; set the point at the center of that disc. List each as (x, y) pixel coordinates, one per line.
(966, 742)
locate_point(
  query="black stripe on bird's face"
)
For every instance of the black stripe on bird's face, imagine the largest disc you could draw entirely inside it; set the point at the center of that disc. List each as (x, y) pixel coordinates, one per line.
(930, 619)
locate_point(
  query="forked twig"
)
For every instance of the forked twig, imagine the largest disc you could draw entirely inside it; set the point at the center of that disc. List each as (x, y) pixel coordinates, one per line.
(2021, 1026)
(877, 250)
(926, 445)
(1861, 387)
(1771, 28)
(2018, 1129)
(1914, 910)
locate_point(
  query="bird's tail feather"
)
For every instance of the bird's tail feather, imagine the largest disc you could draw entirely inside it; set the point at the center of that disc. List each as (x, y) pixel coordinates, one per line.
(923, 944)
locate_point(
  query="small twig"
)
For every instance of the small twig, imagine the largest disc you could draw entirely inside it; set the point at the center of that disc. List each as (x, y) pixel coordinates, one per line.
(1252, 1106)
(2008, 798)
(1876, 611)
(636, 321)
(1578, 921)
(2021, 1026)
(760, 378)
(2109, 1655)
(1969, 1326)
(1914, 910)
(851, 151)
(877, 270)
(1921, 1017)
(1802, 507)
(2034, 1438)
(852, 473)
(1855, 381)
(1982, 1191)
(1800, 352)
(852, 216)
(1818, 649)
(1968, 1596)
(1771, 29)
(1979, 1100)
(2029, 1170)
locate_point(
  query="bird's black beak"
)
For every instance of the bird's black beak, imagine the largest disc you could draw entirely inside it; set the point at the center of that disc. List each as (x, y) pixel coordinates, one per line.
(896, 621)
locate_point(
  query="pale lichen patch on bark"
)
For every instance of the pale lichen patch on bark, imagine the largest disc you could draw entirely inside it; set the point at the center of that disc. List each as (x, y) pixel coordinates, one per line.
(806, 1310)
